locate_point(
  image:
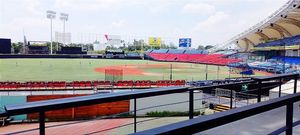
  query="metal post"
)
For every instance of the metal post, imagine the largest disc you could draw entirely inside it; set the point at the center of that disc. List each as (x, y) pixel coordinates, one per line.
(171, 76)
(231, 96)
(64, 32)
(206, 72)
(42, 123)
(229, 72)
(51, 35)
(295, 84)
(134, 115)
(280, 83)
(284, 60)
(289, 119)
(191, 104)
(218, 73)
(259, 91)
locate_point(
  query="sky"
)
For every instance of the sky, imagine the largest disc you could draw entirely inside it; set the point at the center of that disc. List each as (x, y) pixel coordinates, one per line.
(207, 22)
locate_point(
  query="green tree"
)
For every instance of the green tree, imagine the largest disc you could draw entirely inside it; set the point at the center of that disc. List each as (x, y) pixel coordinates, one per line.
(172, 45)
(208, 47)
(17, 47)
(55, 46)
(200, 47)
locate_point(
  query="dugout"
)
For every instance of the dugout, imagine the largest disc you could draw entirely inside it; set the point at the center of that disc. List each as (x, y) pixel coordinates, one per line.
(37, 47)
(117, 54)
(32, 49)
(71, 50)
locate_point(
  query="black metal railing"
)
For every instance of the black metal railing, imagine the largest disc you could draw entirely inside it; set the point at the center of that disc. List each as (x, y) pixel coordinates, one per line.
(203, 123)
(43, 106)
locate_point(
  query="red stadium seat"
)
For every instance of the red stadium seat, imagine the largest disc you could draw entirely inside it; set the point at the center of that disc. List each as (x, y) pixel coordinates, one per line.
(216, 59)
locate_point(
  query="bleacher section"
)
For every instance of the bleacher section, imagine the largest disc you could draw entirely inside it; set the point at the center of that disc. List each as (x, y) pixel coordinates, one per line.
(160, 51)
(216, 82)
(193, 56)
(241, 56)
(176, 51)
(193, 51)
(88, 84)
(289, 41)
(226, 52)
(289, 60)
(276, 65)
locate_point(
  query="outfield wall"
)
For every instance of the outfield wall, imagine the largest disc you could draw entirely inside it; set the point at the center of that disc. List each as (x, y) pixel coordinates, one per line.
(65, 56)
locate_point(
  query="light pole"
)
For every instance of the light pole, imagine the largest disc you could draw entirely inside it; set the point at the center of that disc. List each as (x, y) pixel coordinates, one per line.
(51, 15)
(64, 17)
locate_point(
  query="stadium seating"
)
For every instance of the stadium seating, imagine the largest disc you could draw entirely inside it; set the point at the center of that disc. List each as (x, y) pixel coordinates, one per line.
(176, 51)
(101, 83)
(90, 84)
(294, 40)
(290, 60)
(163, 51)
(143, 83)
(194, 56)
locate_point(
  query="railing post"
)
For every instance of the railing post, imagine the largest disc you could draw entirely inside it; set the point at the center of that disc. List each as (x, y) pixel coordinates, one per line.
(231, 94)
(259, 91)
(289, 119)
(295, 84)
(280, 83)
(206, 74)
(42, 122)
(134, 115)
(191, 104)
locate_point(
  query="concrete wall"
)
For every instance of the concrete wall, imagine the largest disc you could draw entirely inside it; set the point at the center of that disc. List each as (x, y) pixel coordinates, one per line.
(10, 100)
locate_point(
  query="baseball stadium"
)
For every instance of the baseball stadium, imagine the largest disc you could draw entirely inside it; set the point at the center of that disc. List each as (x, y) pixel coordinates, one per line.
(245, 85)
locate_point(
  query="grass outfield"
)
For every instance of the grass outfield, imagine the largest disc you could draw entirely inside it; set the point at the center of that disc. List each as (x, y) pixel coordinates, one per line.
(84, 69)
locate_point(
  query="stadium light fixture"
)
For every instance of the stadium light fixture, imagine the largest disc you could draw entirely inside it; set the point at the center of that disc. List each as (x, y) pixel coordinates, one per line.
(51, 15)
(64, 17)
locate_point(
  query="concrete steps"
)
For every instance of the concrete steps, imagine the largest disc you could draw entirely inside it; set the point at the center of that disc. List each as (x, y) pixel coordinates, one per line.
(221, 108)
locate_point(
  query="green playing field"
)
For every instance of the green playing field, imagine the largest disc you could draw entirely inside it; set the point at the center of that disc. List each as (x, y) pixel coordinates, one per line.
(85, 69)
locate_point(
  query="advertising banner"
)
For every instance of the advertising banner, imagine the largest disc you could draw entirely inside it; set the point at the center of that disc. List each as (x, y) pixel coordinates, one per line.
(154, 41)
(185, 42)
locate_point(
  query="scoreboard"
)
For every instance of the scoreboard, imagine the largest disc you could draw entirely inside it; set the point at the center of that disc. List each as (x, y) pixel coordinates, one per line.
(5, 46)
(185, 42)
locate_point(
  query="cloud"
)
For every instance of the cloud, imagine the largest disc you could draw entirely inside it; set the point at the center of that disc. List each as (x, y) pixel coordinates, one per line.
(198, 8)
(26, 15)
(87, 5)
(119, 23)
(206, 21)
(211, 21)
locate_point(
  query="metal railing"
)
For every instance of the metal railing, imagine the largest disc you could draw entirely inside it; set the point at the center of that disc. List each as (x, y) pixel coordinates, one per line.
(42, 106)
(203, 123)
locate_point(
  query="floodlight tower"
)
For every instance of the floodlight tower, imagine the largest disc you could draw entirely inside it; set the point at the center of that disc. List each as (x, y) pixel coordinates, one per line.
(64, 17)
(51, 15)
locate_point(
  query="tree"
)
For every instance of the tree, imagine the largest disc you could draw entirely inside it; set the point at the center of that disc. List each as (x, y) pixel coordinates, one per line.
(17, 47)
(208, 47)
(55, 45)
(200, 47)
(172, 45)
(110, 48)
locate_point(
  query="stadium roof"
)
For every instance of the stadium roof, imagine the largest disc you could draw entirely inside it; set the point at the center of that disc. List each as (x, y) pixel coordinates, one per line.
(285, 22)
